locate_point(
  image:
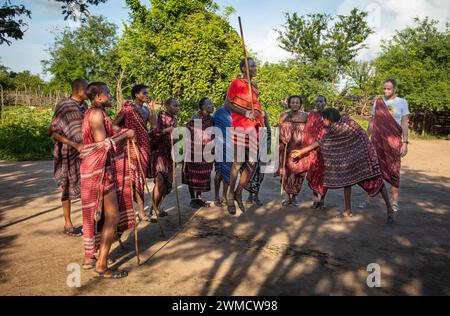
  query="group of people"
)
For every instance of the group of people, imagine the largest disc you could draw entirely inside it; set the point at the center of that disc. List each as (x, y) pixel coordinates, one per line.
(107, 162)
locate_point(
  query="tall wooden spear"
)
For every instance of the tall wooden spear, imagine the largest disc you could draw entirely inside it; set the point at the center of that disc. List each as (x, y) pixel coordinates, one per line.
(136, 242)
(145, 183)
(174, 167)
(250, 90)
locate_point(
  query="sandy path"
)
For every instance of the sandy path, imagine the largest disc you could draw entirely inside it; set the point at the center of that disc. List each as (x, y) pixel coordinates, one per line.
(268, 250)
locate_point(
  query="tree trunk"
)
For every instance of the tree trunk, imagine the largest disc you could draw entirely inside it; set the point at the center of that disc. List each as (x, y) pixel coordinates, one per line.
(424, 122)
(119, 95)
(2, 109)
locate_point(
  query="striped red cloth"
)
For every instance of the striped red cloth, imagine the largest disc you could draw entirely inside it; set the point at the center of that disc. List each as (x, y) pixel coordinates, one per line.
(133, 120)
(102, 170)
(67, 121)
(161, 150)
(294, 135)
(316, 169)
(387, 140)
(197, 175)
(350, 158)
(238, 94)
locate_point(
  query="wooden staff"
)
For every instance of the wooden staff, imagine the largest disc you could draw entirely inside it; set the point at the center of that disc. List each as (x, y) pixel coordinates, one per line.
(174, 167)
(145, 182)
(250, 90)
(136, 245)
(284, 170)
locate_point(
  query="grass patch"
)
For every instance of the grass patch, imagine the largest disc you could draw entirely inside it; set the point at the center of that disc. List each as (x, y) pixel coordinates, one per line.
(363, 123)
(23, 134)
(428, 136)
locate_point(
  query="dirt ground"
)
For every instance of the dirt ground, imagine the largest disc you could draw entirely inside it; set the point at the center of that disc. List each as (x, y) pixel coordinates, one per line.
(269, 250)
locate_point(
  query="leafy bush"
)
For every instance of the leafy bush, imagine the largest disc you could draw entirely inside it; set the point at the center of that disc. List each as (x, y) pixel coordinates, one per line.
(23, 134)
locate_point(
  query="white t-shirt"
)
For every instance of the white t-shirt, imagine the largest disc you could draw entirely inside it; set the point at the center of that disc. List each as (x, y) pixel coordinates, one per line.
(397, 106)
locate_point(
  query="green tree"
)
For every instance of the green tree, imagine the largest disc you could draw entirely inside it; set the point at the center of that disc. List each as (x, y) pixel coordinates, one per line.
(74, 9)
(277, 81)
(26, 80)
(5, 79)
(181, 48)
(11, 24)
(360, 76)
(325, 42)
(11, 80)
(418, 57)
(89, 51)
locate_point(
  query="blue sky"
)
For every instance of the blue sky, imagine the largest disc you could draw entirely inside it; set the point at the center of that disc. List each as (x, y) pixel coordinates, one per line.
(260, 17)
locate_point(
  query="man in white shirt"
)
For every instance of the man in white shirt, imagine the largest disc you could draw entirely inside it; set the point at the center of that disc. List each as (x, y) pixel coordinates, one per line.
(388, 129)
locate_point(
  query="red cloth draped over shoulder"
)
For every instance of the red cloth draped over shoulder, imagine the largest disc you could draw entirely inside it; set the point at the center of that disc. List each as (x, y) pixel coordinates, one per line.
(293, 136)
(238, 94)
(387, 140)
(160, 161)
(316, 169)
(96, 159)
(296, 135)
(133, 120)
(197, 174)
(350, 158)
(67, 121)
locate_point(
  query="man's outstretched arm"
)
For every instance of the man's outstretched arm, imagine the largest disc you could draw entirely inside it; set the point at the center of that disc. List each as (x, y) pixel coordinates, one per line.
(301, 152)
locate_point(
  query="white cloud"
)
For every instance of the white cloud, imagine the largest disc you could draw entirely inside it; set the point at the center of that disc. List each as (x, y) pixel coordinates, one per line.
(387, 16)
(47, 6)
(266, 47)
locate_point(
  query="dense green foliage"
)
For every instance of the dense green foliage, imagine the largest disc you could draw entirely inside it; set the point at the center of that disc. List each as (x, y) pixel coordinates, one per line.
(88, 52)
(24, 80)
(325, 42)
(183, 49)
(419, 57)
(187, 49)
(12, 23)
(24, 134)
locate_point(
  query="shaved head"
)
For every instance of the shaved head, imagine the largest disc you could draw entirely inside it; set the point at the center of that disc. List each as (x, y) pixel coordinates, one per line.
(79, 87)
(79, 84)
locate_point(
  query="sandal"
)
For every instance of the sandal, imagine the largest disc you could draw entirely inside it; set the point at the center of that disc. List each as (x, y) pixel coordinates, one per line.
(257, 201)
(286, 203)
(195, 204)
(74, 232)
(294, 201)
(231, 208)
(348, 213)
(315, 205)
(154, 218)
(91, 264)
(203, 203)
(109, 274)
(390, 219)
(238, 199)
(395, 207)
(144, 218)
(321, 206)
(218, 203)
(162, 213)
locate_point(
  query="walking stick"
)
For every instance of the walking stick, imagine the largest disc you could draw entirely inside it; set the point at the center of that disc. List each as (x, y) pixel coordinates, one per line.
(145, 182)
(136, 245)
(174, 167)
(250, 90)
(284, 170)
